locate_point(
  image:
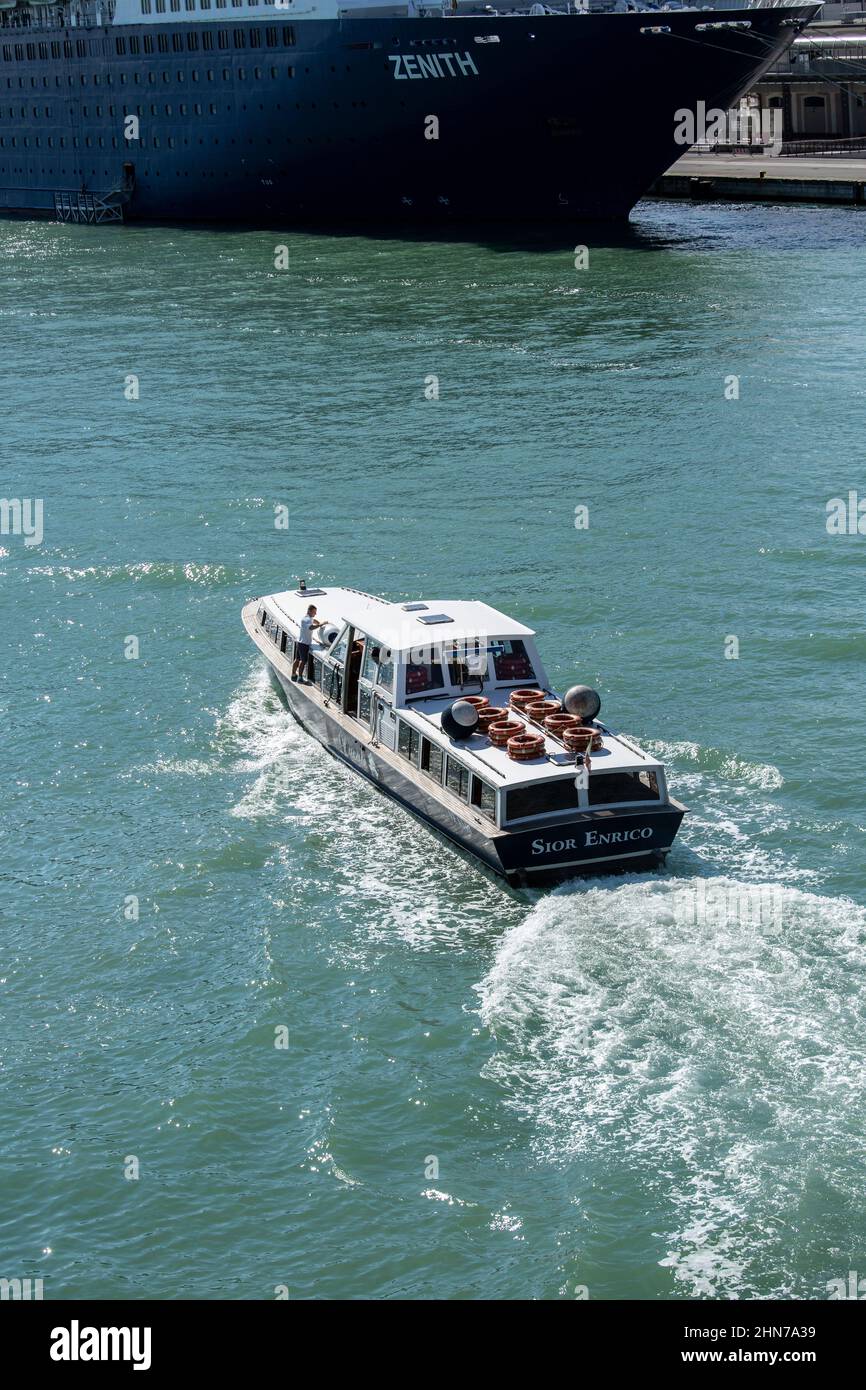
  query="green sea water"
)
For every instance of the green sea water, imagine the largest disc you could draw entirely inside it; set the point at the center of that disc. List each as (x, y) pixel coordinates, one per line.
(485, 1094)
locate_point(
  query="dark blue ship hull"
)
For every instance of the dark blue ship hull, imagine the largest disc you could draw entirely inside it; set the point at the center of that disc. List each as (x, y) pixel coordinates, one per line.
(564, 117)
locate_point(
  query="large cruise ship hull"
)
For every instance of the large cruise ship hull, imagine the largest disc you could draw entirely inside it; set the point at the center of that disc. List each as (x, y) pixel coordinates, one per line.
(497, 118)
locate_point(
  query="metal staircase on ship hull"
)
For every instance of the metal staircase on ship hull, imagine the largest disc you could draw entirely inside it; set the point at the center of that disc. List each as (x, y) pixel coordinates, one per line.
(96, 207)
(87, 207)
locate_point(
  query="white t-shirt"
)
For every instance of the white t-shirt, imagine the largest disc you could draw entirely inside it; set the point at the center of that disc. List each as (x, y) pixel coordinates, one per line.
(306, 636)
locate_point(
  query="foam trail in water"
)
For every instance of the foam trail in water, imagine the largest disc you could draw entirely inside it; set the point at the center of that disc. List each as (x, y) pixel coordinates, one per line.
(380, 868)
(736, 820)
(258, 735)
(715, 1049)
(692, 756)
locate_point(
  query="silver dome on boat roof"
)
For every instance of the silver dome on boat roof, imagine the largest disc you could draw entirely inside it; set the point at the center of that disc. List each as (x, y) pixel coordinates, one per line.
(582, 700)
(460, 720)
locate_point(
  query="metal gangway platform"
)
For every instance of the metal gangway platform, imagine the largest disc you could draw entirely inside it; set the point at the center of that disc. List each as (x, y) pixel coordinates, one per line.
(87, 207)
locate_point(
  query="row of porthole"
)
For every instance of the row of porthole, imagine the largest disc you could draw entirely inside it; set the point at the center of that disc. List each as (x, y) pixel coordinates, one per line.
(19, 52)
(213, 111)
(198, 110)
(299, 106)
(227, 75)
(171, 142)
(182, 112)
(266, 48)
(287, 41)
(109, 174)
(52, 173)
(167, 77)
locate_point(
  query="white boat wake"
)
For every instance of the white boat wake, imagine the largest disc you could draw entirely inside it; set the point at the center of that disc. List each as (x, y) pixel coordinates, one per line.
(716, 1057)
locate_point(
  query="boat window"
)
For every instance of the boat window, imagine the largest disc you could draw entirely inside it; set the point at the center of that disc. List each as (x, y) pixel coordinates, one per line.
(385, 678)
(408, 742)
(260, 617)
(466, 661)
(338, 651)
(608, 787)
(510, 660)
(365, 699)
(484, 797)
(423, 675)
(371, 654)
(283, 640)
(542, 797)
(458, 779)
(432, 759)
(332, 682)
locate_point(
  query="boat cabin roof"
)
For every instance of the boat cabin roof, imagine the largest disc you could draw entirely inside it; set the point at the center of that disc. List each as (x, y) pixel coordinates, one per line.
(399, 626)
(402, 626)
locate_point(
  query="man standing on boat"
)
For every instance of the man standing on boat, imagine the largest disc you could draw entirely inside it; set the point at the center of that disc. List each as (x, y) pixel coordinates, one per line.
(302, 647)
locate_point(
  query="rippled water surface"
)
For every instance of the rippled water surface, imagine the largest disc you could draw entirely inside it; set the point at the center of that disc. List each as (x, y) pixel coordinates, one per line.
(644, 1086)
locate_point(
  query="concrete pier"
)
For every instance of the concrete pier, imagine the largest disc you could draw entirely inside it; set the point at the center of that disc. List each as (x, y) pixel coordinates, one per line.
(755, 177)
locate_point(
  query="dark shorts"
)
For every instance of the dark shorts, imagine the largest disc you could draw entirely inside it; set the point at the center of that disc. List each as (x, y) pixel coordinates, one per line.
(302, 651)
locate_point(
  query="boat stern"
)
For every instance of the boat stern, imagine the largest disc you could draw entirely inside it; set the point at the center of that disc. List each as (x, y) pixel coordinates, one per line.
(602, 841)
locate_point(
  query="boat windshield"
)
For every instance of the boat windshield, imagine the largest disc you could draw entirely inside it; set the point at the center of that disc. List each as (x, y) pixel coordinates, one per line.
(467, 661)
(455, 665)
(511, 661)
(422, 676)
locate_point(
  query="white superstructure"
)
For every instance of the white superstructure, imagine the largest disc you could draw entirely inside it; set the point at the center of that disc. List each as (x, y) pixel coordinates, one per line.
(420, 656)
